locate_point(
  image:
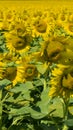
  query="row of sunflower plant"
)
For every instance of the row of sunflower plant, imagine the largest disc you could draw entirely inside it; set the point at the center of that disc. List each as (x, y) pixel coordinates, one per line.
(36, 69)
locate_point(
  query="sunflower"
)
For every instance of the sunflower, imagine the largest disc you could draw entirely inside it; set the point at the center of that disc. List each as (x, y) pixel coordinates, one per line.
(1, 15)
(68, 27)
(17, 44)
(66, 57)
(53, 16)
(70, 17)
(11, 73)
(28, 70)
(37, 13)
(18, 28)
(9, 15)
(63, 16)
(61, 81)
(8, 57)
(4, 25)
(53, 50)
(41, 28)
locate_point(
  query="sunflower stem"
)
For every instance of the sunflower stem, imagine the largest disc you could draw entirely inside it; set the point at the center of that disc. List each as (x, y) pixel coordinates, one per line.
(66, 102)
(65, 127)
(0, 109)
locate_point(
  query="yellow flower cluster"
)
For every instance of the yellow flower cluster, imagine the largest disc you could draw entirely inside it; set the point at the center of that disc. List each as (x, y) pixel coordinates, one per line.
(33, 36)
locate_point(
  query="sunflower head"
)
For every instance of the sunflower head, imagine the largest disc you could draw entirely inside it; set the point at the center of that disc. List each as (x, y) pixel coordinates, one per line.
(62, 17)
(9, 57)
(30, 72)
(67, 82)
(66, 57)
(9, 15)
(61, 81)
(54, 50)
(70, 27)
(4, 25)
(18, 43)
(1, 15)
(37, 13)
(27, 38)
(70, 18)
(9, 73)
(41, 26)
(61, 39)
(67, 78)
(20, 29)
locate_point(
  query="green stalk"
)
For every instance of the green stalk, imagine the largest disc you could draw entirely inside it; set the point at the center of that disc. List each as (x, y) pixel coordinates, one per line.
(65, 127)
(0, 109)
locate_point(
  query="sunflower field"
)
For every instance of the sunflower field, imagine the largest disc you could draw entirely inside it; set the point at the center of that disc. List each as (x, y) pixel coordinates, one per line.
(36, 65)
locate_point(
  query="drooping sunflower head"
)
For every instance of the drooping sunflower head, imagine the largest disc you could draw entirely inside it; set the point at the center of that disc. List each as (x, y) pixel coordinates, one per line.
(69, 43)
(9, 73)
(66, 57)
(27, 38)
(54, 50)
(61, 81)
(67, 82)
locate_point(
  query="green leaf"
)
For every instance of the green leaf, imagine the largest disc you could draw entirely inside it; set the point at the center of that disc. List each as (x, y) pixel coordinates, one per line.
(38, 82)
(56, 108)
(44, 103)
(71, 100)
(46, 127)
(4, 83)
(1, 42)
(21, 93)
(0, 108)
(23, 87)
(36, 113)
(4, 128)
(69, 122)
(11, 64)
(16, 119)
(19, 111)
(70, 108)
(42, 68)
(42, 107)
